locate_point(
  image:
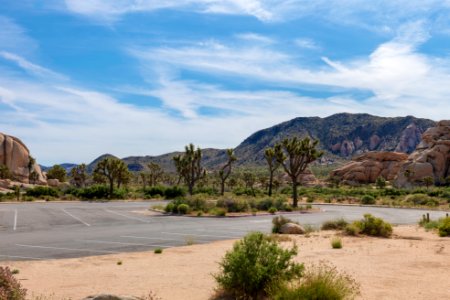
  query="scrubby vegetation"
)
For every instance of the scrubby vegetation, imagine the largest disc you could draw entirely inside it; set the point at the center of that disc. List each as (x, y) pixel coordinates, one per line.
(338, 224)
(255, 266)
(442, 226)
(320, 282)
(370, 225)
(10, 287)
(336, 243)
(278, 222)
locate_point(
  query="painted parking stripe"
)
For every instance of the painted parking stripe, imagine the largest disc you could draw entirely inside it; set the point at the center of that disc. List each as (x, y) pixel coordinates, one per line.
(203, 235)
(15, 220)
(125, 216)
(125, 244)
(24, 257)
(146, 238)
(75, 217)
(68, 249)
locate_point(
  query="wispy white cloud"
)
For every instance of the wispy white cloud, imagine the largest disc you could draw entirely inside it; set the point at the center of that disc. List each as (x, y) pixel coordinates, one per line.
(307, 43)
(31, 68)
(254, 37)
(14, 38)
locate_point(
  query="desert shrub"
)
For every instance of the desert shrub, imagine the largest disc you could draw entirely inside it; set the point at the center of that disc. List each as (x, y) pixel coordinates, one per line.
(368, 199)
(338, 224)
(10, 287)
(255, 265)
(421, 199)
(272, 210)
(169, 207)
(246, 192)
(444, 227)
(97, 192)
(183, 209)
(40, 191)
(322, 282)
(154, 191)
(158, 251)
(373, 226)
(206, 190)
(279, 221)
(233, 205)
(218, 212)
(352, 229)
(394, 192)
(174, 192)
(336, 243)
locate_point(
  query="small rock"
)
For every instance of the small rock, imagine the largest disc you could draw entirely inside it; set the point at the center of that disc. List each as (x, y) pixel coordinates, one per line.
(110, 297)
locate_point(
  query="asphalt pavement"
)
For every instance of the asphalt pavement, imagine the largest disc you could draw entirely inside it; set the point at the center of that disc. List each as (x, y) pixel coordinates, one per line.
(36, 231)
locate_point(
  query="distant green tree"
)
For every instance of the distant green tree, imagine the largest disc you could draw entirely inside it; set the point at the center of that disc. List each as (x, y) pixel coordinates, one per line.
(225, 170)
(79, 175)
(112, 170)
(188, 166)
(295, 155)
(249, 179)
(380, 182)
(57, 172)
(273, 163)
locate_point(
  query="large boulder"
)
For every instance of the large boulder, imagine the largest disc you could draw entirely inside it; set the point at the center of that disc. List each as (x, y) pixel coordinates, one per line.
(367, 167)
(16, 157)
(430, 159)
(292, 228)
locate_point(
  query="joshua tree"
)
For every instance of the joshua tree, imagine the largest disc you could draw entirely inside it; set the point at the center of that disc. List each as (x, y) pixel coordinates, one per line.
(5, 173)
(57, 172)
(428, 181)
(380, 182)
(295, 155)
(272, 162)
(250, 179)
(112, 170)
(79, 175)
(225, 171)
(188, 166)
(155, 173)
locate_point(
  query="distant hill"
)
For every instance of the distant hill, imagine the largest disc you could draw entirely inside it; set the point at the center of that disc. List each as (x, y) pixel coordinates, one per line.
(340, 136)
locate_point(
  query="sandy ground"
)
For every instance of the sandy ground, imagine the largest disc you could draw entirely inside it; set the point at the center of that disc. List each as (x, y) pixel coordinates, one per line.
(413, 265)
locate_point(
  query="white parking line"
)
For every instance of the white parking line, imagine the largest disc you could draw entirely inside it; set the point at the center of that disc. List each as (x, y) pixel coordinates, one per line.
(203, 235)
(146, 238)
(25, 257)
(125, 244)
(75, 217)
(125, 216)
(69, 249)
(15, 219)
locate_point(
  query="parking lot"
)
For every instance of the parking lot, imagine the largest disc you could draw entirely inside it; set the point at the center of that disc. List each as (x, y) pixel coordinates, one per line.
(31, 231)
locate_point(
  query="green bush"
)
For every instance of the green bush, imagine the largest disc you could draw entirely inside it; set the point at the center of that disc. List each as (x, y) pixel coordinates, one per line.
(444, 227)
(183, 209)
(373, 226)
(233, 205)
(154, 191)
(368, 199)
(352, 229)
(279, 221)
(10, 287)
(206, 190)
(169, 207)
(40, 191)
(320, 283)
(256, 265)
(338, 224)
(336, 243)
(272, 210)
(174, 192)
(218, 212)
(158, 251)
(97, 191)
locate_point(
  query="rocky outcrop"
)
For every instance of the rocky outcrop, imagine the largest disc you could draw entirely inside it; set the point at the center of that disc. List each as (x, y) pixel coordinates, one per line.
(431, 158)
(367, 167)
(409, 139)
(16, 157)
(307, 178)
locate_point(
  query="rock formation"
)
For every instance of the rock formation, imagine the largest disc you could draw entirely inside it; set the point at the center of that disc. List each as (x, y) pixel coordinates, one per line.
(367, 167)
(431, 158)
(16, 157)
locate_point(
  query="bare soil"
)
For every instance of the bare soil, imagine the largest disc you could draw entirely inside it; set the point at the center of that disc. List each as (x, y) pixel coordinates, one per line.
(414, 264)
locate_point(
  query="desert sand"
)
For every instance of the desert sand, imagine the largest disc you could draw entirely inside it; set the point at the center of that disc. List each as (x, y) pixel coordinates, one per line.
(414, 264)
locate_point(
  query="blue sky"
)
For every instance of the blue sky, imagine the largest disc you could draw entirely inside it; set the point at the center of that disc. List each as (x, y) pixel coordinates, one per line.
(137, 77)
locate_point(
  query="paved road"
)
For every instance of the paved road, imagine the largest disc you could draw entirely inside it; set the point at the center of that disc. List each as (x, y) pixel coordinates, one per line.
(61, 230)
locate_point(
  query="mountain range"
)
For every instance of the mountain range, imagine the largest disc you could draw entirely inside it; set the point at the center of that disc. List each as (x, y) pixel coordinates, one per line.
(341, 136)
